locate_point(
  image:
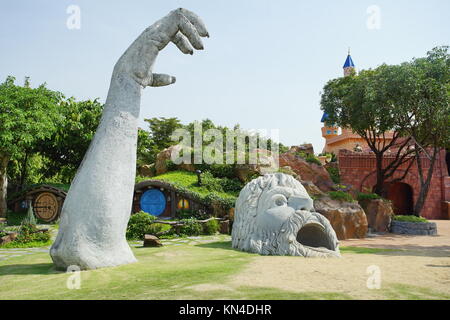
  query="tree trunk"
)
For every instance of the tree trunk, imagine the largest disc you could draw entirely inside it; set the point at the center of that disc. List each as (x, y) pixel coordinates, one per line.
(23, 171)
(424, 183)
(3, 184)
(379, 187)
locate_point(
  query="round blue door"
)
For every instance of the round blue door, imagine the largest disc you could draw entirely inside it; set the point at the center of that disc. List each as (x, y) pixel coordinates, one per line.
(153, 202)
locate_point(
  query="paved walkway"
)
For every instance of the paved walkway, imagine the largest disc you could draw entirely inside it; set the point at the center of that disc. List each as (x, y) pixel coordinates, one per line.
(397, 241)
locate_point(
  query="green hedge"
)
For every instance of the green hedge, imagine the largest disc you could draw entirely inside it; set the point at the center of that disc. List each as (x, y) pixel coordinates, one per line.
(211, 227)
(341, 196)
(334, 174)
(368, 196)
(413, 219)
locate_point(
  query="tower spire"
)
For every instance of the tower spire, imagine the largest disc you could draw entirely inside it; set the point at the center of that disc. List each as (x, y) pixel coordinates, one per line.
(349, 65)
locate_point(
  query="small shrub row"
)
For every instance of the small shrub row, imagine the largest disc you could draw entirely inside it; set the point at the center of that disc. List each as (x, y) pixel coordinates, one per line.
(30, 233)
(341, 196)
(334, 174)
(220, 184)
(139, 224)
(413, 219)
(368, 196)
(143, 223)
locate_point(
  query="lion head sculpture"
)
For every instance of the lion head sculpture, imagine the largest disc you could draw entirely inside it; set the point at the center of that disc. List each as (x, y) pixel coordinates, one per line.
(274, 215)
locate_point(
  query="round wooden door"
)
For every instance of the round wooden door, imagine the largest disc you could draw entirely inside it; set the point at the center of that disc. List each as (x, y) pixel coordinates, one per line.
(153, 202)
(46, 206)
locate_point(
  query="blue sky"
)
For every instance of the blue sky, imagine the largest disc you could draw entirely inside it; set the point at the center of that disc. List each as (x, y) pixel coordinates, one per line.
(263, 67)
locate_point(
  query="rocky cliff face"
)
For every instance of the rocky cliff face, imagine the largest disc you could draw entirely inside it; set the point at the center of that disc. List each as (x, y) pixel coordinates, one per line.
(379, 214)
(347, 218)
(307, 171)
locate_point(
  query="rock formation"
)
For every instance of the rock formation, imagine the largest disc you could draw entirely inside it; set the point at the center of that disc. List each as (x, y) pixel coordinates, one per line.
(379, 214)
(347, 218)
(307, 171)
(97, 208)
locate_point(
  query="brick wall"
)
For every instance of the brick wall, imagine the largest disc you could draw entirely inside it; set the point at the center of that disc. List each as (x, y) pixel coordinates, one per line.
(358, 170)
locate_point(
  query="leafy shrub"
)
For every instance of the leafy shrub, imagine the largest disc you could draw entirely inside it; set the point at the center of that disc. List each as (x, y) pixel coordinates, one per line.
(170, 165)
(217, 170)
(191, 214)
(191, 227)
(368, 196)
(310, 158)
(330, 155)
(413, 219)
(231, 185)
(341, 196)
(30, 233)
(210, 182)
(211, 227)
(313, 159)
(140, 224)
(334, 174)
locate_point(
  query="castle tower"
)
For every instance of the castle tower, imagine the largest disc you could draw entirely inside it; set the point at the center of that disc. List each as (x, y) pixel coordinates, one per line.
(349, 66)
(329, 132)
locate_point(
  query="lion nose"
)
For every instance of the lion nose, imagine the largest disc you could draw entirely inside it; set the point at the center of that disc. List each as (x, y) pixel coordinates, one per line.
(301, 203)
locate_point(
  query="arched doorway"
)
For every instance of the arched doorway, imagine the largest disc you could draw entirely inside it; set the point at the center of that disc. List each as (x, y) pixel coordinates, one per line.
(401, 196)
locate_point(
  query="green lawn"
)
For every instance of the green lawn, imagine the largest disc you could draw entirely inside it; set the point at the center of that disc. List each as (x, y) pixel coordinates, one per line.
(187, 180)
(161, 273)
(178, 270)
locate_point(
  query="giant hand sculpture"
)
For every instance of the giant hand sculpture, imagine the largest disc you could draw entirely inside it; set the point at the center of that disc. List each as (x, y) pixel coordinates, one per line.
(97, 208)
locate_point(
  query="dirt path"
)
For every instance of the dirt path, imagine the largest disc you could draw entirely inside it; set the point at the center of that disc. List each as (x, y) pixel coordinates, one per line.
(420, 268)
(395, 241)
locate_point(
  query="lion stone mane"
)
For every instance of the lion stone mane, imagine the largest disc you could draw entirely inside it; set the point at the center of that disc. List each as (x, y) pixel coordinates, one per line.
(274, 215)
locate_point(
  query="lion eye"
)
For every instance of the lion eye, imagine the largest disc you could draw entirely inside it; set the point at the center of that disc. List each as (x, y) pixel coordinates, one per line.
(281, 201)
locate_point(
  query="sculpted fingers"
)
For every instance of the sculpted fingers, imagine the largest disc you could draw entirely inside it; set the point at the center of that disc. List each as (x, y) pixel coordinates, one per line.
(188, 29)
(182, 43)
(196, 22)
(161, 80)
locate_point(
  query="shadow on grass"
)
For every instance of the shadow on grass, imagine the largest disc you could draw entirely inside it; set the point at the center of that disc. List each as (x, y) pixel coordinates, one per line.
(437, 266)
(24, 269)
(226, 245)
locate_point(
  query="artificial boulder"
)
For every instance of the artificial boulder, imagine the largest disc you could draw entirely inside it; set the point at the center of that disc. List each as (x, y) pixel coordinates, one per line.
(379, 214)
(265, 164)
(347, 218)
(312, 189)
(308, 171)
(147, 170)
(151, 241)
(166, 156)
(306, 148)
(8, 238)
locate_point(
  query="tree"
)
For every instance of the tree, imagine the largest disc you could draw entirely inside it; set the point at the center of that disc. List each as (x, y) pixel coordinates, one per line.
(428, 115)
(411, 100)
(26, 116)
(161, 130)
(371, 104)
(65, 148)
